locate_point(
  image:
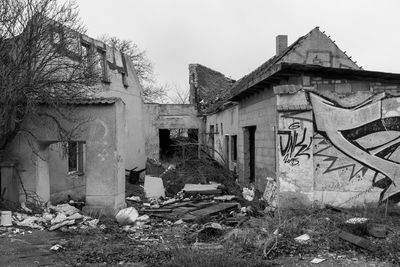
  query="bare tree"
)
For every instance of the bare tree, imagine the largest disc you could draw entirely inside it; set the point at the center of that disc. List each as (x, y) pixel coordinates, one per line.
(177, 95)
(152, 92)
(41, 61)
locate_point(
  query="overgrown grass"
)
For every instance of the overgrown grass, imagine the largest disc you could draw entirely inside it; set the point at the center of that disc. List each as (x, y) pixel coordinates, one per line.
(224, 258)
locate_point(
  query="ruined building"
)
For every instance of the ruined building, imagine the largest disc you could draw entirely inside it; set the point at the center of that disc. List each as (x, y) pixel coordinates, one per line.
(108, 138)
(309, 119)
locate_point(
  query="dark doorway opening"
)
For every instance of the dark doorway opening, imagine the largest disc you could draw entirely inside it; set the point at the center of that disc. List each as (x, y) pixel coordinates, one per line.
(249, 152)
(178, 143)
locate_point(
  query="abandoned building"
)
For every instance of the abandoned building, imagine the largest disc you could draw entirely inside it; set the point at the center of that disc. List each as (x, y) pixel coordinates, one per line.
(108, 138)
(309, 119)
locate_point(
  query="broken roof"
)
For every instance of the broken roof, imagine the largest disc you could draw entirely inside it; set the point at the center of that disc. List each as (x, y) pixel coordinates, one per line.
(212, 86)
(258, 74)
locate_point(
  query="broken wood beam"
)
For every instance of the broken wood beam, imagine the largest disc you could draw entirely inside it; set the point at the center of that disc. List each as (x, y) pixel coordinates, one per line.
(357, 240)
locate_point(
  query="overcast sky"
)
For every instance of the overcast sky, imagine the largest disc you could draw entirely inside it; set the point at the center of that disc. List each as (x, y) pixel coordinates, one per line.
(236, 36)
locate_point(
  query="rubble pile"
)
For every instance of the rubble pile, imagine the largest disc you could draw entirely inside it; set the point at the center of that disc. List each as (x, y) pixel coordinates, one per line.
(64, 217)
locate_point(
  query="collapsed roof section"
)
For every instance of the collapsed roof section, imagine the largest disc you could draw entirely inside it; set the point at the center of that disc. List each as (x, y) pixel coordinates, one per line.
(314, 48)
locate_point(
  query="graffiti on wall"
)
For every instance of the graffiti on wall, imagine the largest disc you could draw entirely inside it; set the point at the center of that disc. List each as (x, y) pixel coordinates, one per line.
(368, 133)
(294, 143)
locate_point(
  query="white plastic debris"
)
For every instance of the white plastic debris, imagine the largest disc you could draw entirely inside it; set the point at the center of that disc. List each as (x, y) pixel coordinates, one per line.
(31, 222)
(66, 209)
(93, 223)
(317, 260)
(178, 222)
(225, 197)
(59, 218)
(153, 187)
(75, 216)
(357, 220)
(302, 238)
(56, 247)
(248, 193)
(25, 208)
(61, 224)
(134, 198)
(143, 218)
(127, 216)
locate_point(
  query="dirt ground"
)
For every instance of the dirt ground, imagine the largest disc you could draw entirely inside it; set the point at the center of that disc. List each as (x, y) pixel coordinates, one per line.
(262, 239)
(162, 243)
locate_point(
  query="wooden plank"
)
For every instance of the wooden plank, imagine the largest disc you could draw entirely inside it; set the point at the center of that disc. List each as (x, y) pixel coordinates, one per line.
(205, 189)
(211, 210)
(357, 240)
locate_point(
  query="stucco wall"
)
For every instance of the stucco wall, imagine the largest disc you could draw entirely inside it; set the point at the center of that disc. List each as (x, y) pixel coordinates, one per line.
(131, 95)
(61, 183)
(102, 130)
(228, 118)
(167, 116)
(259, 110)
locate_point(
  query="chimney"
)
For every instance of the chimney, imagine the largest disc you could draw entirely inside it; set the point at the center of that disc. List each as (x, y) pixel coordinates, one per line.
(281, 43)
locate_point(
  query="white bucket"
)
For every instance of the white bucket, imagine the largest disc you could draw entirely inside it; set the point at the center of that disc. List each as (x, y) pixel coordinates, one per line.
(6, 218)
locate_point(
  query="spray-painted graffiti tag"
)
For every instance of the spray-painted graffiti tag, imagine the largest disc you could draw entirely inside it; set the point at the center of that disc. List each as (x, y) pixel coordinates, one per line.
(369, 133)
(294, 143)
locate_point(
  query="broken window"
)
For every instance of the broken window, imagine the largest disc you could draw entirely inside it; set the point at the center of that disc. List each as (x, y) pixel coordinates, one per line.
(234, 147)
(76, 157)
(101, 65)
(216, 128)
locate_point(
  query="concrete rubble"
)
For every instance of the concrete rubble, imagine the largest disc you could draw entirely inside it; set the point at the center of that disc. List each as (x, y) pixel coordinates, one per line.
(63, 216)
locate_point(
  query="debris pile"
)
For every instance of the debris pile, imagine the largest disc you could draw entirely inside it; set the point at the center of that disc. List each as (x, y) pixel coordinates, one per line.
(64, 217)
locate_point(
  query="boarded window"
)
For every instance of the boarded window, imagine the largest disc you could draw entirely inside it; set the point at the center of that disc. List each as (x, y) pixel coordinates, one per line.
(76, 157)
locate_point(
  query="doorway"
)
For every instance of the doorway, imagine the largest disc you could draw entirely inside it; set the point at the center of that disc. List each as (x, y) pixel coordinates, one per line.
(249, 152)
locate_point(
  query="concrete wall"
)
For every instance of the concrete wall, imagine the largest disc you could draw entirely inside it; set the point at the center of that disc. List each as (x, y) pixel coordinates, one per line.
(63, 184)
(227, 121)
(340, 149)
(167, 116)
(258, 110)
(102, 128)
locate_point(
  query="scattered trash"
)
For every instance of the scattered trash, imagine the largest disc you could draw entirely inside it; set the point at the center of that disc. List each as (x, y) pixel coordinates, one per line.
(56, 247)
(357, 240)
(317, 260)
(61, 224)
(180, 221)
(303, 238)
(248, 193)
(134, 198)
(6, 218)
(25, 208)
(377, 230)
(225, 197)
(207, 246)
(357, 220)
(65, 209)
(153, 187)
(204, 189)
(127, 216)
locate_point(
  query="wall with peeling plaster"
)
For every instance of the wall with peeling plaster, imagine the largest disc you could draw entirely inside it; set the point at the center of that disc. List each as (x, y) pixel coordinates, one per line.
(167, 116)
(350, 156)
(44, 171)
